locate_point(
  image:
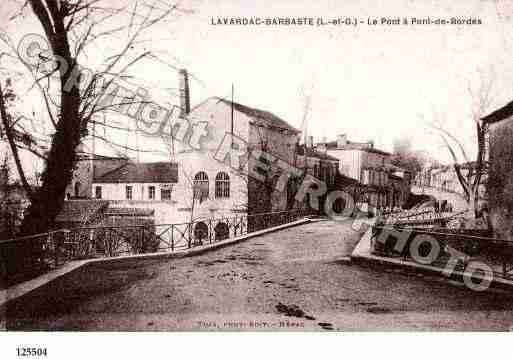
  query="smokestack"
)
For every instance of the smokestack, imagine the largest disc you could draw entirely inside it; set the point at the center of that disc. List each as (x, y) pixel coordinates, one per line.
(341, 140)
(185, 97)
(309, 142)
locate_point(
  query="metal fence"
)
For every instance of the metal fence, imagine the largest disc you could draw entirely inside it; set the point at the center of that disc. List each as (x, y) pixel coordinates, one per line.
(424, 218)
(474, 245)
(34, 254)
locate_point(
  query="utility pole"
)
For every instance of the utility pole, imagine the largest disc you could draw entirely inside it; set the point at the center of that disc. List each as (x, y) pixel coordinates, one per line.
(232, 115)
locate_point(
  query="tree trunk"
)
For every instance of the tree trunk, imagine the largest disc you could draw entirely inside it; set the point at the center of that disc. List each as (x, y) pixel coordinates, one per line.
(473, 204)
(49, 198)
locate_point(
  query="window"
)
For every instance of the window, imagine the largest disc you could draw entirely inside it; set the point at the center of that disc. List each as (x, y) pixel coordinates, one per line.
(165, 194)
(200, 232)
(98, 192)
(201, 186)
(222, 185)
(77, 189)
(151, 192)
(128, 190)
(222, 231)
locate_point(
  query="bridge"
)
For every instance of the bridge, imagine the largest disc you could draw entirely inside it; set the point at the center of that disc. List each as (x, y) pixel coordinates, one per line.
(458, 202)
(299, 278)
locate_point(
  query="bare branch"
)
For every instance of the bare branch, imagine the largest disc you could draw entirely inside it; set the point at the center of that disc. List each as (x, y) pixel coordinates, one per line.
(14, 149)
(452, 137)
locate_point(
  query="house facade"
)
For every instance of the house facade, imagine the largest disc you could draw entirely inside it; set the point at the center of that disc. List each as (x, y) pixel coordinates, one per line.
(317, 162)
(385, 185)
(499, 185)
(196, 184)
(259, 132)
(444, 178)
(136, 181)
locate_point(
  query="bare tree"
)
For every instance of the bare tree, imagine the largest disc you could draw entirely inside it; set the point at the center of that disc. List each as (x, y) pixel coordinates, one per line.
(71, 28)
(470, 172)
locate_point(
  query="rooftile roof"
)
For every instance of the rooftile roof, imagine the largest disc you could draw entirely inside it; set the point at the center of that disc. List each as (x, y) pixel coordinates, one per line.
(317, 154)
(80, 210)
(156, 172)
(500, 114)
(261, 116)
(362, 146)
(129, 212)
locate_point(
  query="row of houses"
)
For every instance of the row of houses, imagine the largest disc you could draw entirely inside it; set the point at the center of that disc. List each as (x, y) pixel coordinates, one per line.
(194, 185)
(444, 178)
(496, 185)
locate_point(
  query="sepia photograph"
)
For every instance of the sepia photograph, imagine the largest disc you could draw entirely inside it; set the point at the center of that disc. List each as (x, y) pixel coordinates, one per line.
(234, 166)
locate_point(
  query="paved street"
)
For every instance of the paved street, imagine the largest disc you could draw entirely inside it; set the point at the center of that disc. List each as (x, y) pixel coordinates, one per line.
(297, 278)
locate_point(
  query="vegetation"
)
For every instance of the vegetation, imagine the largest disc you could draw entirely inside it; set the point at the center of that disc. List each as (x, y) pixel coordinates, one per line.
(71, 28)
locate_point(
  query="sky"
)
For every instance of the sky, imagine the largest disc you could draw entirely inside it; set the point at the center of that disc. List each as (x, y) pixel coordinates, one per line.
(375, 83)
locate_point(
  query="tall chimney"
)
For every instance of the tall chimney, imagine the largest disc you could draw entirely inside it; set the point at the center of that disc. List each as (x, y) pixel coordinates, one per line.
(341, 140)
(309, 142)
(185, 97)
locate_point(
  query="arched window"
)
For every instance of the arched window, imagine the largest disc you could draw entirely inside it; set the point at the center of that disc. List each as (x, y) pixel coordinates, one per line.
(222, 231)
(222, 185)
(201, 186)
(200, 232)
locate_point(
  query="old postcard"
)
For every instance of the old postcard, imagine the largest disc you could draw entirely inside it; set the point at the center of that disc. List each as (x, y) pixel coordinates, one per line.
(228, 166)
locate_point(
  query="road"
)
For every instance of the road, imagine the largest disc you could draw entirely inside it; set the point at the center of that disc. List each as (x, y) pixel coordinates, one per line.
(294, 279)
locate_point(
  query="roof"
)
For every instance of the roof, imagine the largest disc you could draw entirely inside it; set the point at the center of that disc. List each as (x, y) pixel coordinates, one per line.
(345, 181)
(394, 177)
(130, 212)
(261, 116)
(155, 172)
(395, 168)
(361, 146)
(84, 156)
(500, 114)
(317, 154)
(80, 210)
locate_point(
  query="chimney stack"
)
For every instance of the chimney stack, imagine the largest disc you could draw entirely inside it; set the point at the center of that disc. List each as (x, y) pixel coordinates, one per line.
(185, 97)
(309, 142)
(341, 140)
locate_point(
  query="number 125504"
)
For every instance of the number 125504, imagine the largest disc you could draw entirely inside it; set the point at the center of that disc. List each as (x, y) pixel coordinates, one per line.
(31, 352)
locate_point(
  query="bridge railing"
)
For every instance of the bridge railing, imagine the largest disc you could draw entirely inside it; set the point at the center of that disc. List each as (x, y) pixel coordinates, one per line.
(473, 245)
(424, 218)
(27, 256)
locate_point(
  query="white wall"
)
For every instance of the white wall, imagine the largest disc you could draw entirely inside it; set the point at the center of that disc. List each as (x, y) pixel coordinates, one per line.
(140, 191)
(350, 164)
(191, 161)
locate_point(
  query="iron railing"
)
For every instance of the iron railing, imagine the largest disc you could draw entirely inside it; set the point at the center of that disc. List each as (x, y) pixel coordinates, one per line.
(35, 254)
(473, 245)
(424, 218)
